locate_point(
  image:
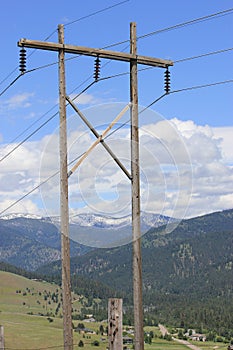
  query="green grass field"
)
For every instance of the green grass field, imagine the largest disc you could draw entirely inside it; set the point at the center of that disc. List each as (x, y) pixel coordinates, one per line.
(27, 312)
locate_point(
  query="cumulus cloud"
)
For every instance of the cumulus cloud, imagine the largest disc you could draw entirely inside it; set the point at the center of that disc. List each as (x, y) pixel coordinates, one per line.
(85, 99)
(224, 135)
(19, 101)
(186, 170)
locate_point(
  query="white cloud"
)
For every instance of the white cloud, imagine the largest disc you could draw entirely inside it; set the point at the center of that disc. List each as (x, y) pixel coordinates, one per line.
(19, 101)
(225, 135)
(85, 99)
(186, 170)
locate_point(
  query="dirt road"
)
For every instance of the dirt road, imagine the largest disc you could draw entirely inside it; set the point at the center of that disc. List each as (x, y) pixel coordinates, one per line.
(185, 342)
(164, 331)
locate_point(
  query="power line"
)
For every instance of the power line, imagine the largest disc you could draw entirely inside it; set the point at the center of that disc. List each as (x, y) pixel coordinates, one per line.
(41, 117)
(41, 126)
(96, 12)
(54, 31)
(87, 16)
(183, 24)
(202, 86)
(203, 55)
(189, 88)
(159, 31)
(175, 91)
(177, 61)
(172, 92)
(30, 126)
(117, 75)
(105, 78)
(114, 131)
(38, 186)
(9, 75)
(77, 20)
(28, 137)
(12, 83)
(176, 26)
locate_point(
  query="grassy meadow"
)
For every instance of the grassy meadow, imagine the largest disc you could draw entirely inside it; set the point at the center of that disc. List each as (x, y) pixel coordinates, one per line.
(30, 312)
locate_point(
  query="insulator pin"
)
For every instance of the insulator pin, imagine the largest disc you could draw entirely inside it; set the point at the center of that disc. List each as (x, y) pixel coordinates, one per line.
(97, 69)
(167, 87)
(22, 60)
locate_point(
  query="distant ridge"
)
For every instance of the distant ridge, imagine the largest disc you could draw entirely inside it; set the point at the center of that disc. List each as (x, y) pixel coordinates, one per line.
(29, 241)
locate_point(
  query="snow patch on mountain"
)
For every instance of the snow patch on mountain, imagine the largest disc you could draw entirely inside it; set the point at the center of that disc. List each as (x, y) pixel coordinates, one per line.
(87, 220)
(92, 220)
(20, 215)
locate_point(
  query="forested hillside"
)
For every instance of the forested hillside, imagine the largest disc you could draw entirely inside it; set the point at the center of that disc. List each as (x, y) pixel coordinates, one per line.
(187, 274)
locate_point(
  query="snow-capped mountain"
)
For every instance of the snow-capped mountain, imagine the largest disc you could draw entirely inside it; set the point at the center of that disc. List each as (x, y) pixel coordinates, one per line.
(20, 215)
(148, 220)
(87, 230)
(105, 232)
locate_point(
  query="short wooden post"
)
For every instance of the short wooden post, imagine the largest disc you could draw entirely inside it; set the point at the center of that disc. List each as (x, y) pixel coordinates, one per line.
(1, 338)
(115, 324)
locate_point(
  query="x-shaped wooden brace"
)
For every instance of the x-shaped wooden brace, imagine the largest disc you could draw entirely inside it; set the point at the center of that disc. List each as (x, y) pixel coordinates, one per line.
(100, 138)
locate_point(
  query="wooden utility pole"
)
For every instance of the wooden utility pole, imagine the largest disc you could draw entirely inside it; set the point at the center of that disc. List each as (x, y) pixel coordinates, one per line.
(134, 59)
(135, 173)
(115, 324)
(2, 338)
(64, 206)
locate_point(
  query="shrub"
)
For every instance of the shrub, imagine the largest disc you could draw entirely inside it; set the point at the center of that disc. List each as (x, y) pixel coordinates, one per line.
(81, 344)
(95, 343)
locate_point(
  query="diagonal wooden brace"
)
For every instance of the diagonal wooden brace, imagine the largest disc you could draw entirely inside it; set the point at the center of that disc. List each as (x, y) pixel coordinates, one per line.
(100, 139)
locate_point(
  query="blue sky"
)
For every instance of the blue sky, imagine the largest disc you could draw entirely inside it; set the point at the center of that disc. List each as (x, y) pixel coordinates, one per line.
(201, 119)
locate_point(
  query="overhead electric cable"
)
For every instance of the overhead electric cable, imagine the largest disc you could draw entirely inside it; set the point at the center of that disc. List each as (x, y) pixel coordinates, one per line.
(41, 126)
(105, 78)
(31, 125)
(87, 16)
(194, 21)
(176, 26)
(96, 12)
(67, 24)
(177, 61)
(171, 92)
(183, 24)
(115, 130)
(12, 83)
(190, 88)
(38, 186)
(203, 55)
(28, 137)
(202, 86)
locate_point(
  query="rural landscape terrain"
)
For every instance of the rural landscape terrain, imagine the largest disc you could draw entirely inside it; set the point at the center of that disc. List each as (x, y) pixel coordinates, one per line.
(187, 284)
(116, 178)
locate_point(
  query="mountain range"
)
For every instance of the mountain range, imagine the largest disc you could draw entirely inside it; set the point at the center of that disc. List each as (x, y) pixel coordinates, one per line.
(29, 241)
(197, 249)
(187, 271)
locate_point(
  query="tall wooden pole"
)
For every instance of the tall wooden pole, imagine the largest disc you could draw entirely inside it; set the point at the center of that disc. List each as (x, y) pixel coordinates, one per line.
(134, 59)
(2, 338)
(135, 173)
(64, 208)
